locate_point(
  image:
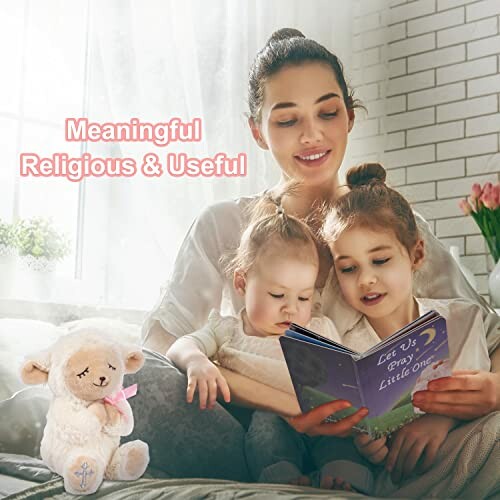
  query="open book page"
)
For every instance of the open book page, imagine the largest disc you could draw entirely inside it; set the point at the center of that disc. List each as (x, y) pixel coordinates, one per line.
(388, 376)
(320, 374)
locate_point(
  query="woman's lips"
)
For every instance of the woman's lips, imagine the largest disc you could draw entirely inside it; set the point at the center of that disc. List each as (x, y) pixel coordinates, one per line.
(316, 162)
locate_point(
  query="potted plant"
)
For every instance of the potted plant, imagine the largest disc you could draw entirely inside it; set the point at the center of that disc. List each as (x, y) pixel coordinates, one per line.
(483, 205)
(8, 239)
(40, 245)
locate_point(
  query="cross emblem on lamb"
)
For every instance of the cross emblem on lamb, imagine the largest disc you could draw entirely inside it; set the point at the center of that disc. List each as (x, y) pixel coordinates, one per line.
(84, 473)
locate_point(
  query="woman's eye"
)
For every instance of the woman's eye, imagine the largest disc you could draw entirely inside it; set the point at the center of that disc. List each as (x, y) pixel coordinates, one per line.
(276, 295)
(379, 262)
(328, 116)
(286, 123)
(111, 366)
(82, 374)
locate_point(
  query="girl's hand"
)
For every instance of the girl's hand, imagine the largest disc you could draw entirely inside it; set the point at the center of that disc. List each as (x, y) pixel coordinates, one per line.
(374, 450)
(418, 440)
(312, 422)
(206, 377)
(468, 394)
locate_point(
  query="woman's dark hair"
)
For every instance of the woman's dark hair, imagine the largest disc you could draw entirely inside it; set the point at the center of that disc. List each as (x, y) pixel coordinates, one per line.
(289, 47)
(371, 204)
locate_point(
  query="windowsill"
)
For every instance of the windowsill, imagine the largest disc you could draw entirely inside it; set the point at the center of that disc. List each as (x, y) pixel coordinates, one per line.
(59, 312)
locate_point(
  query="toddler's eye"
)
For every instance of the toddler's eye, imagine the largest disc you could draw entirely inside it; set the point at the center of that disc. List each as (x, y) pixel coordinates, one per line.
(349, 269)
(111, 366)
(304, 299)
(286, 123)
(379, 262)
(277, 295)
(82, 374)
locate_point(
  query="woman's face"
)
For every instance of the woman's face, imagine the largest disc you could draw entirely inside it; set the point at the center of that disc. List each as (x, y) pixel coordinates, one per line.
(305, 122)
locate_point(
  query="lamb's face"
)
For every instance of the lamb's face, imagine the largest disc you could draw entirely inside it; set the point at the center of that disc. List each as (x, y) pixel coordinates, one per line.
(93, 373)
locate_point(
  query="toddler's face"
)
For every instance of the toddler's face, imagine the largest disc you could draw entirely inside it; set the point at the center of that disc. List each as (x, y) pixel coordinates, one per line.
(278, 291)
(375, 272)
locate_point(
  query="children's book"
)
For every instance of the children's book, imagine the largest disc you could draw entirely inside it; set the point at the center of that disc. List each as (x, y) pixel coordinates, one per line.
(383, 379)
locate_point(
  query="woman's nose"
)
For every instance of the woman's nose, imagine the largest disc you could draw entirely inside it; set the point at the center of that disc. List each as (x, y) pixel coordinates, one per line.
(311, 132)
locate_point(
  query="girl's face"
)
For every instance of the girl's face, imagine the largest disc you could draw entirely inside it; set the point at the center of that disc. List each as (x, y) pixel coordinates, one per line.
(375, 272)
(305, 123)
(278, 291)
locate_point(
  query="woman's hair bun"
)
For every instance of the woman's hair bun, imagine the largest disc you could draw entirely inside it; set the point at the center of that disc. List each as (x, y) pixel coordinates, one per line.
(366, 173)
(285, 34)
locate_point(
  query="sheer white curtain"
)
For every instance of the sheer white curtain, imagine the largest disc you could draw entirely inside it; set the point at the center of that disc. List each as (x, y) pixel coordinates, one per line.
(158, 59)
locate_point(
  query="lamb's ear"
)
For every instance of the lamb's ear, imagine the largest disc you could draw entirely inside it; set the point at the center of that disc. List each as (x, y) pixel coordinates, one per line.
(134, 359)
(35, 370)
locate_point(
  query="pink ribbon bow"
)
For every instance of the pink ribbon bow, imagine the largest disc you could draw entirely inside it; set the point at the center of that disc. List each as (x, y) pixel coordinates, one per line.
(122, 394)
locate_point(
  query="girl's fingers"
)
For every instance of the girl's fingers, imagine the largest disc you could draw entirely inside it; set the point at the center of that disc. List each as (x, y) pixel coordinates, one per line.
(202, 393)
(191, 389)
(224, 389)
(397, 471)
(212, 392)
(412, 457)
(430, 454)
(394, 452)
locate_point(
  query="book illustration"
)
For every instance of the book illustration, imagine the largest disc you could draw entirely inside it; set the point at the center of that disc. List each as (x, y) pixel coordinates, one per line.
(383, 379)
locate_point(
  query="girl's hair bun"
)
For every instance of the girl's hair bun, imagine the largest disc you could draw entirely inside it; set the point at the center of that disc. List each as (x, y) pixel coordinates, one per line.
(284, 34)
(366, 173)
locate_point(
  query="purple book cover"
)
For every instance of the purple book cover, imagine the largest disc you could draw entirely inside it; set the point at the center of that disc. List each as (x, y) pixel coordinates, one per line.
(383, 379)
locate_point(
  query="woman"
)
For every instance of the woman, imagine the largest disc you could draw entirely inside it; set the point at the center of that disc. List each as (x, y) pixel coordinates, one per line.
(302, 112)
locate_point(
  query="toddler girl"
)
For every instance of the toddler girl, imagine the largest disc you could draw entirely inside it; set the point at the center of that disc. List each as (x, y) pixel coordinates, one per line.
(275, 270)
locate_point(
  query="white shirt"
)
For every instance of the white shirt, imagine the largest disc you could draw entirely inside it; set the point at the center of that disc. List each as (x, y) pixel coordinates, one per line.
(198, 285)
(466, 336)
(258, 358)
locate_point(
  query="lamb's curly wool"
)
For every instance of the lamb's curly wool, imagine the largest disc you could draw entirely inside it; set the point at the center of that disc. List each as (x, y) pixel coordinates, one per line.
(81, 440)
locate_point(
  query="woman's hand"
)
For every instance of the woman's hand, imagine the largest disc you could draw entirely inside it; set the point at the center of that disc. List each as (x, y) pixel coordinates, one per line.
(418, 440)
(374, 450)
(312, 422)
(466, 395)
(206, 377)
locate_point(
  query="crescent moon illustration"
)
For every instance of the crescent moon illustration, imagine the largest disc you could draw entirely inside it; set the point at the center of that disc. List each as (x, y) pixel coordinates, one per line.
(431, 332)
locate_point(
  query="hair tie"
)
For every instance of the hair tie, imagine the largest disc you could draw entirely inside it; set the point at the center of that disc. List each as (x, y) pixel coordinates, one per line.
(279, 210)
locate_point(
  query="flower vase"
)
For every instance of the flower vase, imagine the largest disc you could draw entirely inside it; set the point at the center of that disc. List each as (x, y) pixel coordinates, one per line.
(494, 285)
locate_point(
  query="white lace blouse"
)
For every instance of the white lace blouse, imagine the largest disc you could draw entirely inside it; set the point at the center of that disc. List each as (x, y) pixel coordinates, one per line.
(259, 358)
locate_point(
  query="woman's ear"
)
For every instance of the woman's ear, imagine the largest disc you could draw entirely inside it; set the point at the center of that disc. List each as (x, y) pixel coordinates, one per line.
(418, 255)
(239, 282)
(257, 134)
(352, 116)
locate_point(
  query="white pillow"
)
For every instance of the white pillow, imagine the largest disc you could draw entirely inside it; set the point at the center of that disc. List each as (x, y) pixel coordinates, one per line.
(18, 338)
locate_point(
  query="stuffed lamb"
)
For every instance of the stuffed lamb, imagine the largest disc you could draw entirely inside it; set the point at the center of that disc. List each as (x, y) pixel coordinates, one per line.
(89, 410)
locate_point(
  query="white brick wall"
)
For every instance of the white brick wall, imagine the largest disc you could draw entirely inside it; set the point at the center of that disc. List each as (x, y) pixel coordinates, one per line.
(430, 80)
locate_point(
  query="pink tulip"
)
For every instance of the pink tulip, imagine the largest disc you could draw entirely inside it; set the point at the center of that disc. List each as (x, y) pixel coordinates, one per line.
(465, 206)
(476, 191)
(488, 196)
(496, 195)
